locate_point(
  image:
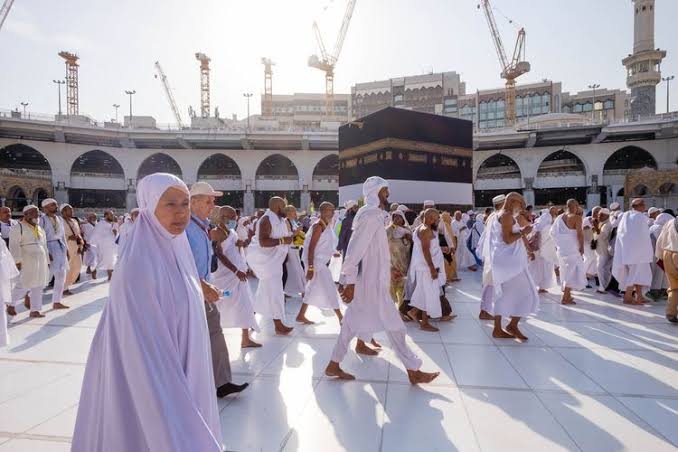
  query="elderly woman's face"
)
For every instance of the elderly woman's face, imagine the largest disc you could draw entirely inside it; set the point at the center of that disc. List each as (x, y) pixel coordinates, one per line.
(398, 220)
(173, 210)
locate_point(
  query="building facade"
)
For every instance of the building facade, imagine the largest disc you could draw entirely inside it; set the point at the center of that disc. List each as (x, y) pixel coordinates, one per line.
(306, 110)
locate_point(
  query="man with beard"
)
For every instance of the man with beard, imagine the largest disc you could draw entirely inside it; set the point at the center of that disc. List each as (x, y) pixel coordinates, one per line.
(28, 247)
(372, 309)
(6, 223)
(55, 236)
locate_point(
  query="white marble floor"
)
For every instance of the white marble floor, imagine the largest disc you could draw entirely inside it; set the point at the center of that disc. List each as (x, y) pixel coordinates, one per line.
(598, 376)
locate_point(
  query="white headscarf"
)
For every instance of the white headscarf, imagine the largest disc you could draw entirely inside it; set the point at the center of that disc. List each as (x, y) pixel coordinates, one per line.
(659, 223)
(371, 189)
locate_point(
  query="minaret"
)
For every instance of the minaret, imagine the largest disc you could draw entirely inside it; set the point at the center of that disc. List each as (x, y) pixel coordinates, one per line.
(644, 65)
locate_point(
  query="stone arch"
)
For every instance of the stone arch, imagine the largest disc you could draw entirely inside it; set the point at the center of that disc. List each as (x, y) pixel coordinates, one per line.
(327, 166)
(668, 188)
(277, 166)
(561, 162)
(97, 163)
(22, 157)
(219, 166)
(498, 166)
(628, 158)
(159, 162)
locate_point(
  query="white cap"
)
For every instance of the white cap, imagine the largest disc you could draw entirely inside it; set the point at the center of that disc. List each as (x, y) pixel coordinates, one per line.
(64, 205)
(498, 199)
(429, 203)
(604, 212)
(652, 210)
(47, 201)
(29, 207)
(615, 206)
(203, 188)
(350, 204)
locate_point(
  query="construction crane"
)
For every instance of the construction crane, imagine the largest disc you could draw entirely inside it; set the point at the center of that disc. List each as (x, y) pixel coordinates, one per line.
(326, 62)
(72, 95)
(268, 86)
(510, 70)
(204, 84)
(168, 92)
(4, 11)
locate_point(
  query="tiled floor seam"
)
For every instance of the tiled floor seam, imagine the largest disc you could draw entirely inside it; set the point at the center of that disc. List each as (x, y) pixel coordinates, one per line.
(293, 423)
(381, 432)
(52, 438)
(25, 432)
(44, 383)
(655, 431)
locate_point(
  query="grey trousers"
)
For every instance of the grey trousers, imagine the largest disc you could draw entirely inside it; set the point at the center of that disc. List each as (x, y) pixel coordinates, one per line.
(220, 361)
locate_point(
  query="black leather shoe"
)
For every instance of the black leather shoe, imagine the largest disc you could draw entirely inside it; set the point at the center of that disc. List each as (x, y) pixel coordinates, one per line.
(230, 388)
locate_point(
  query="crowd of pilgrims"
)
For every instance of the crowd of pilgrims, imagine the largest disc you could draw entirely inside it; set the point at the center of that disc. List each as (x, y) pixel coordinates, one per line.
(181, 269)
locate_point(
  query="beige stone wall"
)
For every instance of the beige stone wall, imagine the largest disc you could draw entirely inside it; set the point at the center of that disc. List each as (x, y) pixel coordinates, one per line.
(654, 181)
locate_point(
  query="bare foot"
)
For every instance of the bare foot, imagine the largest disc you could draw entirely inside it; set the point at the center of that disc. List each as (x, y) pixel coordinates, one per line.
(375, 343)
(543, 291)
(642, 300)
(67, 293)
(412, 314)
(333, 370)
(36, 314)
(629, 301)
(638, 302)
(283, 330)
(363, 349)
(568, 301)
(305, 321)
(11, 310)
(428, 327)
(501, 334)
(58, 305)
(249, 344)
(418, 377)
(484, 315)
(27, 302)
(94, 274)
(448, 318)
(473, 268)
(516, 332)
(405, 317)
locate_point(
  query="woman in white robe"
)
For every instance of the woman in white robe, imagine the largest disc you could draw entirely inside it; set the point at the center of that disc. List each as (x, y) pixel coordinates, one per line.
(148, 382)
(590, 256)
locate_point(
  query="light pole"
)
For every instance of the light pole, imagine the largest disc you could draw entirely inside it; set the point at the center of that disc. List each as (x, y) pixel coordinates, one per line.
(668, 89)
(130, 94)
(248, 95)
(593, 110)
(116, 106)
(24, 104)
(59, 83)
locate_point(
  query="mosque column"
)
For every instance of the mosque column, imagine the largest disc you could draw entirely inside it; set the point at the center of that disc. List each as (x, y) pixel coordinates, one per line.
(2, 202)
(61, 193)
(305, 198)
(528, 191)
(131, 196)
(593, 193)
(248, 199)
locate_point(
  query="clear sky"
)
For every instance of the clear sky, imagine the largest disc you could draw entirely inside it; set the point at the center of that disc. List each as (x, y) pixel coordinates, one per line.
(578, 42)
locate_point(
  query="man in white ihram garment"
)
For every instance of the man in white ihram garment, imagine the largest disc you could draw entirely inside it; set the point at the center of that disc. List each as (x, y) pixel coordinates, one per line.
(542, 268)
(8, 275)
(149, 384)
(104, 237)
(569, 238)
(55, 236)
(89, 258)
(515, 294)
(482, 250)
(633, 254)
(29, 249)
(463, 255)
(319, 246)
(265, 256)
(366, 280)
(235, 308)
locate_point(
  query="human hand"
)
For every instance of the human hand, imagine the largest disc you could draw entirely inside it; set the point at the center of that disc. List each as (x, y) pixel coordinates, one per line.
(525, 230)
(210, 293)
(434, 273)
(242, 276)
(309, 274)
(347, 292)
(18, 266)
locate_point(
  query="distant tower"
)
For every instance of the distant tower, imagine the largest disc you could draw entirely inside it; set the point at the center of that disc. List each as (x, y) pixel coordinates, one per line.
(644, 65)
(72, 96)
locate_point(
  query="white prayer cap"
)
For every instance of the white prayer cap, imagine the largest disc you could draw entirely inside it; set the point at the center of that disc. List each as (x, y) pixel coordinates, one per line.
(429, 203)
(652, 210)
(29, 207)
(498, 199)
(615, 206)
(350, 204)
(371, 189)
(604, 211)
(203, 188)
(47, 201)
(64, 205)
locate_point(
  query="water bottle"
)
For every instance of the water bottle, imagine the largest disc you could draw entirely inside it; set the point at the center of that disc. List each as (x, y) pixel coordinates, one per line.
(226, 293)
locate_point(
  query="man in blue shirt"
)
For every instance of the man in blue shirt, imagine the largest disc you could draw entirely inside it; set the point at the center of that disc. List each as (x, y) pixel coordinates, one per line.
(202, 204)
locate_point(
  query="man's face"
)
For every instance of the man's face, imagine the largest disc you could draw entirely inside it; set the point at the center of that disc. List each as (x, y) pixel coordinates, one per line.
(108, 216)
(51, 208)
(553, 211)
(603, 217)
(92, 218)
(134, 215)
(31, 216)
(5, 214)
(655, 214)
(640, 207)
(595, 212)
(326, 214)
(457, 216)
(383, 196)
(432, 220)
(227, 215)
(202, 206)
(67, 212)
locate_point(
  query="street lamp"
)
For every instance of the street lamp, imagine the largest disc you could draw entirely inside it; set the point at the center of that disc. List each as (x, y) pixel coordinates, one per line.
(248, 95)
(668, 87)
(24, 104)
(59, 83)
(116, 106)
(593, 110)
(130, 94)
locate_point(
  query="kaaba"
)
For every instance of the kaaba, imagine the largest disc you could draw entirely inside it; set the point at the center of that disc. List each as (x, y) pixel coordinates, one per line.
(423, 156)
